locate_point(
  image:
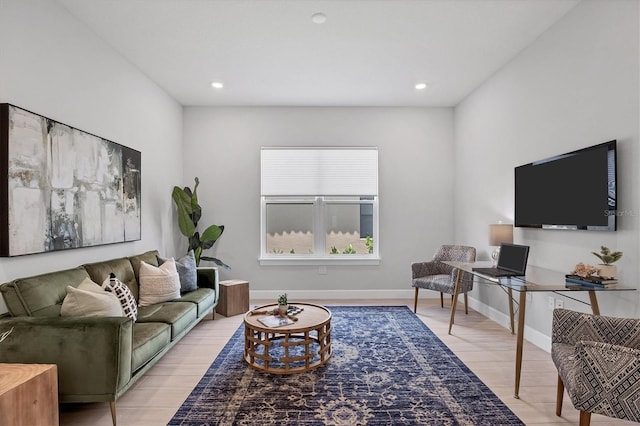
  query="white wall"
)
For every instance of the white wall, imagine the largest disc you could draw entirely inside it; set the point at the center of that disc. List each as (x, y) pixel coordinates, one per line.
(576, 86)
(222, 147)
(51, 64)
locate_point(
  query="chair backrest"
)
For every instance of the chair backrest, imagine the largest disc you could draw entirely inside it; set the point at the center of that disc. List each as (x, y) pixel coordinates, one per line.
(455, 253)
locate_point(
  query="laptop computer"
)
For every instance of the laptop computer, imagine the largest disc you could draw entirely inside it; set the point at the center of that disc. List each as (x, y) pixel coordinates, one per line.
(512, 262)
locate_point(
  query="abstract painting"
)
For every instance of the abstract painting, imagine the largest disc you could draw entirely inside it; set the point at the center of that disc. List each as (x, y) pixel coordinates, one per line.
(63, 188)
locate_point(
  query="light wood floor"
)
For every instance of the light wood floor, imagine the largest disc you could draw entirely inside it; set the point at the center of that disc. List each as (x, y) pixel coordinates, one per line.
(485, 347)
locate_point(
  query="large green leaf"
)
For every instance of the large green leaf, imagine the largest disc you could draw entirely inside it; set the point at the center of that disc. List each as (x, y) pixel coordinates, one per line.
(183, 203)
(211, 235)
(216, 261)
(196, 210)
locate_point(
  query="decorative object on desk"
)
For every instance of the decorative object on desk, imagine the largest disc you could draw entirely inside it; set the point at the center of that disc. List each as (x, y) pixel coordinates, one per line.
(189, 214)
(64, 188)
(386, 367)
(283, 305)
(590, 281)
(584, 270)
(499, 233)
(607, 270)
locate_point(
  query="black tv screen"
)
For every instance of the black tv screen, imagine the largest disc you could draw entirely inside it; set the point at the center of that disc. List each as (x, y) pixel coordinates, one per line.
(576, 190)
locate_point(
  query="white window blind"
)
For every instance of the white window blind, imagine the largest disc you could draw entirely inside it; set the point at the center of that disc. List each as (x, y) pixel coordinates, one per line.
(319, 171)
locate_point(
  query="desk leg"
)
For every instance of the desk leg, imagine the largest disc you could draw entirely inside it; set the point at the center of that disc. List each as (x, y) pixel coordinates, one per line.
(594, 303)
(510, 293)
(454, 302)
(520, 341)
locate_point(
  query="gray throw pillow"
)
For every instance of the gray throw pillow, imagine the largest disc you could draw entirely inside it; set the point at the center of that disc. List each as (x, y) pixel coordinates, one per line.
(186, 266)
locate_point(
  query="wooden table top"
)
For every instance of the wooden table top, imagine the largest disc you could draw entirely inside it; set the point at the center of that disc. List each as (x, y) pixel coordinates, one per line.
(310, 318)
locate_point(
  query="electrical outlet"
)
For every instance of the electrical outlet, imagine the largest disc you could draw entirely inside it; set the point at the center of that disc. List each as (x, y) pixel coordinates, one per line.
(559, 303)
(550, 302)
(322, 270)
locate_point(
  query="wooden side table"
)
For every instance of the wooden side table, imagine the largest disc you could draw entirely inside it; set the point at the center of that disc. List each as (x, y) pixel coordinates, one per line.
(29, 394)
(234, 297)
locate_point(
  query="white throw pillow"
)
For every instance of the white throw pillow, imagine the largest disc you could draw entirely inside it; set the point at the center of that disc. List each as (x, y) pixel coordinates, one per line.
(124, 295)
(90, 300)
(158, 284)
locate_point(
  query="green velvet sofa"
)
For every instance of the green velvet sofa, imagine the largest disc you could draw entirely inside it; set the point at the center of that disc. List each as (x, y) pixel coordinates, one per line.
(98, 358)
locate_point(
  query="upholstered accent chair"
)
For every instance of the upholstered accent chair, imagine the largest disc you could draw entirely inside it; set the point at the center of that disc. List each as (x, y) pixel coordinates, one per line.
(598, 362)
(435, 275)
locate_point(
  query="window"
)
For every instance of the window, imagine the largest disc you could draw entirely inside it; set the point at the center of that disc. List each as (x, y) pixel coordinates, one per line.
(319, 206)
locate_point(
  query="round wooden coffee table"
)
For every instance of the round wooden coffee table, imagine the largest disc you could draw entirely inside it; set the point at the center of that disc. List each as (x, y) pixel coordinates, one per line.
(294, 348)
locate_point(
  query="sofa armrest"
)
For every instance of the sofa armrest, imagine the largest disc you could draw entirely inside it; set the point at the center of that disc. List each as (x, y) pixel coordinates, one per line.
(422, 269)
(208, 277)
(93, 354)
(607, 380)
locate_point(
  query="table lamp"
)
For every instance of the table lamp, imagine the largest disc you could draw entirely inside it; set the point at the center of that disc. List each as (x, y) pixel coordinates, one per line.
(499, 233)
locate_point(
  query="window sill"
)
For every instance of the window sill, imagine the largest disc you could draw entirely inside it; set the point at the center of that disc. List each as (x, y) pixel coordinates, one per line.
(318, 261)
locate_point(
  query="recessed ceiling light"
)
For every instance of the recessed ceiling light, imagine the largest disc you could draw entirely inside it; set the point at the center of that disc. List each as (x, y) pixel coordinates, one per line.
(217, 85)
(318, 18)
(421, 86)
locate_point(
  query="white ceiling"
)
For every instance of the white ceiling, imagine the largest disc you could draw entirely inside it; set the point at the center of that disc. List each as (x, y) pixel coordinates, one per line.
(367, 53)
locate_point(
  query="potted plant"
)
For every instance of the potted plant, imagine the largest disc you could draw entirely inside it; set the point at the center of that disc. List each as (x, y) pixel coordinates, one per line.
(189, 213)
(283, 305)
(606, 269)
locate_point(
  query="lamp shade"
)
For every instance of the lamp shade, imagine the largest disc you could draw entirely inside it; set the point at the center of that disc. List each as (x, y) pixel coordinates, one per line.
(500, 233)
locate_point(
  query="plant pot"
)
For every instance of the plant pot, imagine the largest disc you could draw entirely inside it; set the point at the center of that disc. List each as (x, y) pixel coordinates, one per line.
(607, 271)
(282, 310)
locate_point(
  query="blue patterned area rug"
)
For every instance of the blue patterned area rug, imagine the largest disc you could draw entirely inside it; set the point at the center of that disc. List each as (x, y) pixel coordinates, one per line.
(387, 368)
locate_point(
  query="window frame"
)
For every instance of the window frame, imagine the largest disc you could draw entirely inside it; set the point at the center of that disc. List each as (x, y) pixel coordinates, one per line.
(319, 255)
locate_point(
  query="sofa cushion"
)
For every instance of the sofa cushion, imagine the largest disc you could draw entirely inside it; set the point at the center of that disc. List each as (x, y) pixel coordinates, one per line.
(186, 266)
(100, 271)
(179, 315)
(124, 295)
(203, 299)
(90, 300)
(158, 283)
(148, 340)
(40, 295)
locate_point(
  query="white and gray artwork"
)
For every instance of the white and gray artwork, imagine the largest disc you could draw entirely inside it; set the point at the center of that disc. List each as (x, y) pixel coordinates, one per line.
(65, 188)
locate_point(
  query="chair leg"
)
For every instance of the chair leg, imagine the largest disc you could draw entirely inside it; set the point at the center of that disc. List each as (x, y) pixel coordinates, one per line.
(415, 301)
(466, 304)
(559, 396)
(441, 300)
(585, 418)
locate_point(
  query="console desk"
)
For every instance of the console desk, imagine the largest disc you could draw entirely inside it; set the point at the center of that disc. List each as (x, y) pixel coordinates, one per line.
(536, 280)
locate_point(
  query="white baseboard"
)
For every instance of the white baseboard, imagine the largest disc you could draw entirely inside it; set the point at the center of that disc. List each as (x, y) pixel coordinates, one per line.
(534, 336)
(334, 294)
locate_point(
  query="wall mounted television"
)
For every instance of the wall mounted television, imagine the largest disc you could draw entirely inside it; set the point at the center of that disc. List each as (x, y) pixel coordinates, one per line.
(576, 190)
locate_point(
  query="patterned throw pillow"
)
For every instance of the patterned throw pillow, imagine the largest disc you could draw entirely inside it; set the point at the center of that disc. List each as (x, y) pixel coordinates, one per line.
(158, 284)
(124, 295)
(186, 266)
(89, 300)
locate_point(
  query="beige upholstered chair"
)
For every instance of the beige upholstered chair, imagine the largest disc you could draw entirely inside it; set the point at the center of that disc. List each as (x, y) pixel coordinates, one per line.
(435, 275)
(598, 362)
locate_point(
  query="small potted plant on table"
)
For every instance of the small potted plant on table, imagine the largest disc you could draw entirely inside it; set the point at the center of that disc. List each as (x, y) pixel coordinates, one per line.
(283, 305)
(606, 269)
